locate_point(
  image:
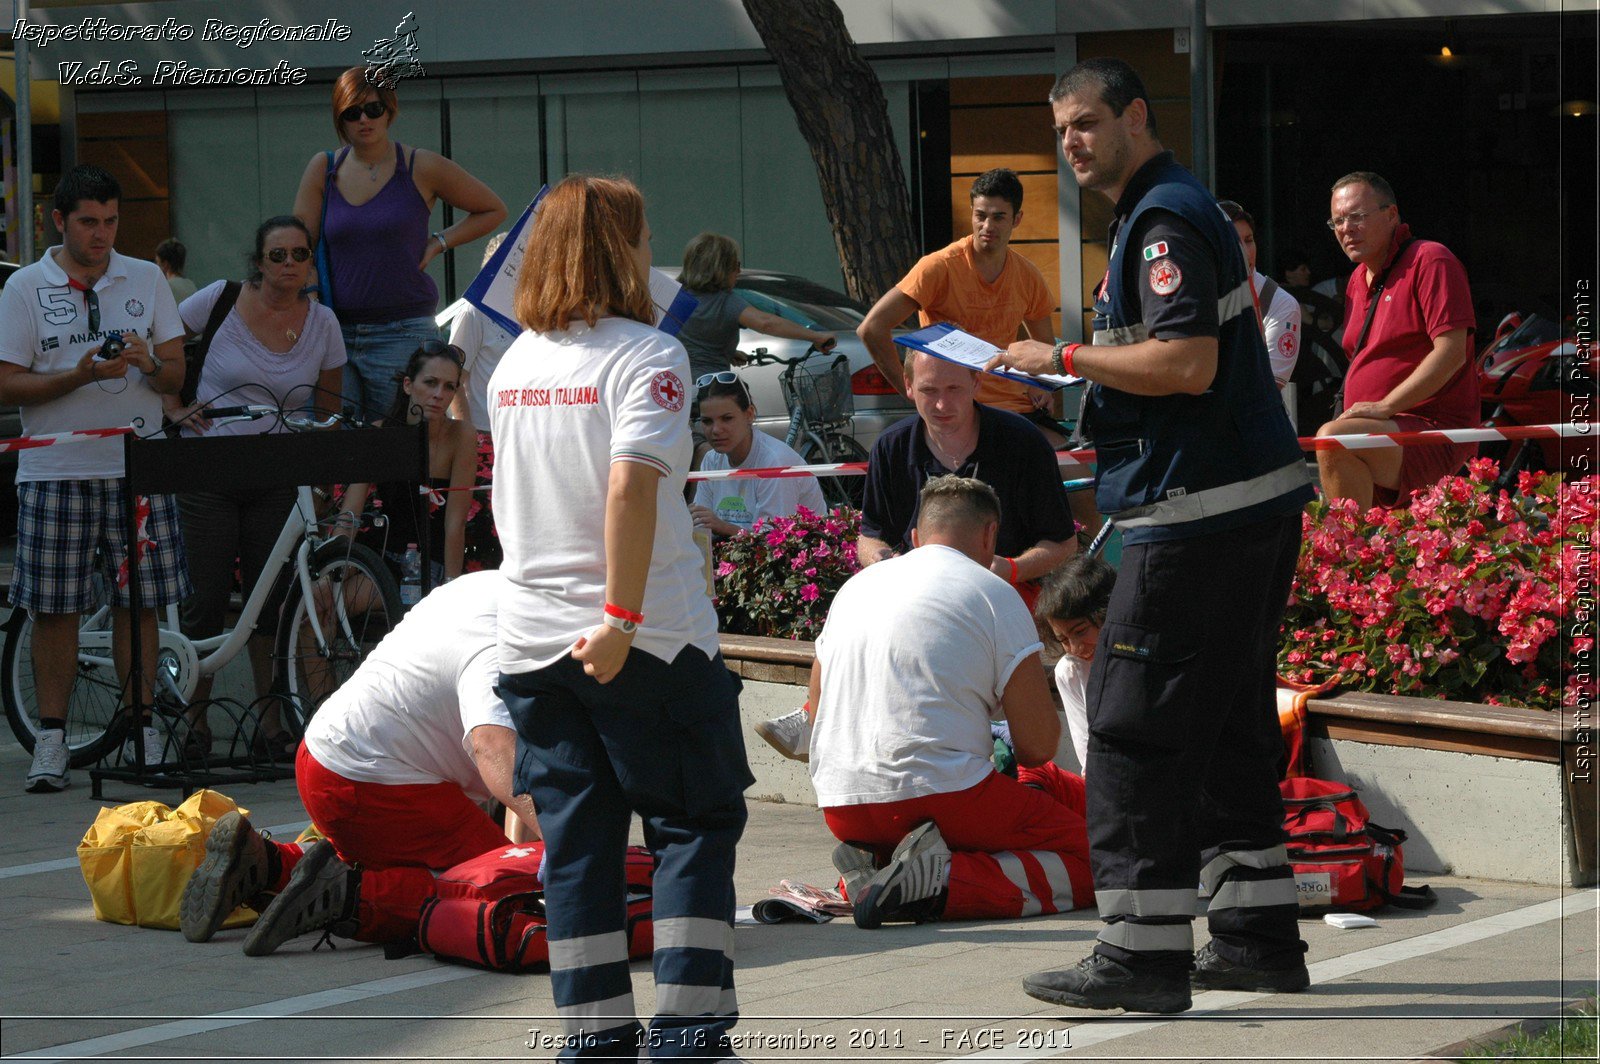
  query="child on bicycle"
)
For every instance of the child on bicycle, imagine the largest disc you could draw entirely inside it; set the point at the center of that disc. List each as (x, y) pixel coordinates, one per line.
(711, 332)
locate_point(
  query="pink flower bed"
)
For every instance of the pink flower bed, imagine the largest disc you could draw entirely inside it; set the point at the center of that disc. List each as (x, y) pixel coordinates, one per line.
(1468, 594)
(779, 578)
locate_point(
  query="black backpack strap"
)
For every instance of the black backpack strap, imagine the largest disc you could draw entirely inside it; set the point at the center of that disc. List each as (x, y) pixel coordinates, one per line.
(1269, 292)
(196, 361)
(1366, 324)
(1373, 300)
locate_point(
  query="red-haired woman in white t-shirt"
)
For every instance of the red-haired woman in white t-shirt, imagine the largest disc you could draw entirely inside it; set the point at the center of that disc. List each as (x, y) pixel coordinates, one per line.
(608, 643)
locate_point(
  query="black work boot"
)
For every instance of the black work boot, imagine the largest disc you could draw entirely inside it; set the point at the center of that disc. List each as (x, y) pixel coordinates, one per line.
(1098, 982)
(321, 895)
(1213, 972)
(239, 864)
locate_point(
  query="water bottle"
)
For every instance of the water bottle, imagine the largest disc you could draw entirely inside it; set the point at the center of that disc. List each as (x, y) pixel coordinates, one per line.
(411, 576)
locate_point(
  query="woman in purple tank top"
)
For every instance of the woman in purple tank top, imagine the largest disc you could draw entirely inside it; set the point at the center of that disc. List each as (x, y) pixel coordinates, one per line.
(371, 202)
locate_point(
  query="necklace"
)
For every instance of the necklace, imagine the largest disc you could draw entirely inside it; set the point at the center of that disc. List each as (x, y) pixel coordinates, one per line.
(951, 459)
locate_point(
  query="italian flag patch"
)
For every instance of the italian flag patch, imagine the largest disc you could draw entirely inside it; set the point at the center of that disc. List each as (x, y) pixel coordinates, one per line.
(1155, 251)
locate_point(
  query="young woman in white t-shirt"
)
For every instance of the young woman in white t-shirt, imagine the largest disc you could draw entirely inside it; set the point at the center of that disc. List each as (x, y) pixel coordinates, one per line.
(728, 422)
(1071, 609)
(609, 661)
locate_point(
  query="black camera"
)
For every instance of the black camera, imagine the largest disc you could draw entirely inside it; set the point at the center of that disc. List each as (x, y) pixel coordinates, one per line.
(113, 347)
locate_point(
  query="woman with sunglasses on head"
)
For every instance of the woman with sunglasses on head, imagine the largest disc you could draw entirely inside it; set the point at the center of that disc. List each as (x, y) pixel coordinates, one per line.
(277, 347)
(727, 507)
(427, 385)
(609, 657)
(371, 203)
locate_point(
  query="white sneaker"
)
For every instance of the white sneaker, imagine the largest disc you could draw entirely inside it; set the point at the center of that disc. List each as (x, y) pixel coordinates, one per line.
(50, 760)
(789, 734)
(153, 749)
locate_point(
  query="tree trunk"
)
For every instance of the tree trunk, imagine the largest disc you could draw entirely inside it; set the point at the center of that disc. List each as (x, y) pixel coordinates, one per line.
(844, 117)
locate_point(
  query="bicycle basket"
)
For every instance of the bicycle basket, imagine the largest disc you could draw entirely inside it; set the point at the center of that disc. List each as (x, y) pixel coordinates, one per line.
(823, 395)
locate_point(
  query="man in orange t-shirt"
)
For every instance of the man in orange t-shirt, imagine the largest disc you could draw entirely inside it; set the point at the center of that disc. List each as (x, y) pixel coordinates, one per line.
(978, 284)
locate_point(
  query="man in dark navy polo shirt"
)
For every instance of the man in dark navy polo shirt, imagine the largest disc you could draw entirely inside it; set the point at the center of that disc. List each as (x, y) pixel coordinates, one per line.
(952, 433)
(1198, 465)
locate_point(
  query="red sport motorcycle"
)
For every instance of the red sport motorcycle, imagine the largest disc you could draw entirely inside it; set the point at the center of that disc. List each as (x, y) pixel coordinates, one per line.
(1535, 372)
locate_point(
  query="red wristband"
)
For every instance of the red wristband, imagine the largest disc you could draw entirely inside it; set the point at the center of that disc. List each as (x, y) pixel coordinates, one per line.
(1013, 562)
(626, 615)
(1066, 359)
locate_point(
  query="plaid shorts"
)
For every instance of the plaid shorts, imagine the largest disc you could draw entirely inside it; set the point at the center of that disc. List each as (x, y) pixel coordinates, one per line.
(68, 528)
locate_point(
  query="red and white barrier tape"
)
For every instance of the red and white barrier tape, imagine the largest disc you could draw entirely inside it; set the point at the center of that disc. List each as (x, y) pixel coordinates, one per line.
(28, 443)
(1364, 441)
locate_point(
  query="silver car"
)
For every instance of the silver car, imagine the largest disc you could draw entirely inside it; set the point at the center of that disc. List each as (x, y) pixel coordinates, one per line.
(788, 296)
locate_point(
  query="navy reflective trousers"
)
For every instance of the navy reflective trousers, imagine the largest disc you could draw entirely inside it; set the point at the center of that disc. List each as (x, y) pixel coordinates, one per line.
(1184, 749)
(664, 741)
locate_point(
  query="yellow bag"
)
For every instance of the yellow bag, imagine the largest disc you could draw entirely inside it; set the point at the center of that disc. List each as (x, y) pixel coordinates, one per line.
(138, 857)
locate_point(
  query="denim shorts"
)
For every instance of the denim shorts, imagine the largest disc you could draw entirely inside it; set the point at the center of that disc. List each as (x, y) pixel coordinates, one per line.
(377, 353)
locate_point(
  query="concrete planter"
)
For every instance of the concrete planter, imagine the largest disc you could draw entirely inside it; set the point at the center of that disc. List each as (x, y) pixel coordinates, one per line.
(1482, 791)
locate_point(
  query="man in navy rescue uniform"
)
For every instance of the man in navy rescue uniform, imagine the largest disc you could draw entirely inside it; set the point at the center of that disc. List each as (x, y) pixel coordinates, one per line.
(1199, 467)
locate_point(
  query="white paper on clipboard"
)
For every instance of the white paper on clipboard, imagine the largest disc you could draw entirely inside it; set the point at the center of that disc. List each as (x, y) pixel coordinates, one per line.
(955, 345)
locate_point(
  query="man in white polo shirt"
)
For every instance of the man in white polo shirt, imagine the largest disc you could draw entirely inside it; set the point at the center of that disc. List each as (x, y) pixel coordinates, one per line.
(920, 652)
(56, 317)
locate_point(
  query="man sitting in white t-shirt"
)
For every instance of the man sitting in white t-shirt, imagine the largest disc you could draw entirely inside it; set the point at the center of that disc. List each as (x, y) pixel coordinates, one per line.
(726, 507)
(919, 653)
(391, 771)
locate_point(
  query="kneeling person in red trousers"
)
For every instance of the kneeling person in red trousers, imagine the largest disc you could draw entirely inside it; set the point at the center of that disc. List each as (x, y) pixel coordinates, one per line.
(918, 655)
(391, 770)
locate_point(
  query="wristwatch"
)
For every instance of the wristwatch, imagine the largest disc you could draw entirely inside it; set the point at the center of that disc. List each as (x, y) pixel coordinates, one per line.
(155, 366)
(626, 621)
(621, 624)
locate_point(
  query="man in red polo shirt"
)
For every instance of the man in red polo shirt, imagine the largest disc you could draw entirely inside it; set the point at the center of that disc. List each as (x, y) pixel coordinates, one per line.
(1407, 328)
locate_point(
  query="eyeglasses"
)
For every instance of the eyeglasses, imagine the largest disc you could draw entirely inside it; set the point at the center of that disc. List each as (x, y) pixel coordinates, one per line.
(1355, 219)
(372, 109)
(283, 254)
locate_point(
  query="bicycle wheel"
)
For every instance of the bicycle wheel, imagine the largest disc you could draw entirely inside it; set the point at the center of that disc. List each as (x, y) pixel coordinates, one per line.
(838, 491)
(355, 602)
(92, 725)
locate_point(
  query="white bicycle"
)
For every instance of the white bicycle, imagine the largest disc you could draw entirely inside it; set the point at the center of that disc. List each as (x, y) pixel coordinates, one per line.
(340, 602)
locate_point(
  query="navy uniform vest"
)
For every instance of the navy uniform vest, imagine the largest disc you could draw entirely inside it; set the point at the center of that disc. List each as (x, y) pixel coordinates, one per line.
(1177, 466)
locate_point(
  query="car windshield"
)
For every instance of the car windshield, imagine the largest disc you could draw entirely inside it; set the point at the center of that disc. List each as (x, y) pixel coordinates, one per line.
(800, 300)
(1536, 330)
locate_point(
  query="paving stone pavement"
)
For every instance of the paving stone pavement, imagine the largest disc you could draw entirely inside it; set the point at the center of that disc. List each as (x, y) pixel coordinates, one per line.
(74, 988)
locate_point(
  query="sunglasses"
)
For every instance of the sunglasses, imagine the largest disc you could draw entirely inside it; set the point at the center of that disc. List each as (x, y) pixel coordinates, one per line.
(727, 376)
(372, 109)
(281, 255)
(440, 349)
(92, 303)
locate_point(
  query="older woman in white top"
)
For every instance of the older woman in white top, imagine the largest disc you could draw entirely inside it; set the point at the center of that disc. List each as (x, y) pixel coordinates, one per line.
(275, 347)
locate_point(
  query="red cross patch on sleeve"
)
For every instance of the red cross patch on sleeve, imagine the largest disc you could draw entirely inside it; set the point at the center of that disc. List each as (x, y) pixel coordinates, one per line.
(667, 390)
(1165, 277)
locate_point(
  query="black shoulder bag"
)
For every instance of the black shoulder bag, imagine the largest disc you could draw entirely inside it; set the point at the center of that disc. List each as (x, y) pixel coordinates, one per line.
(194, 356)
(1366, 323)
